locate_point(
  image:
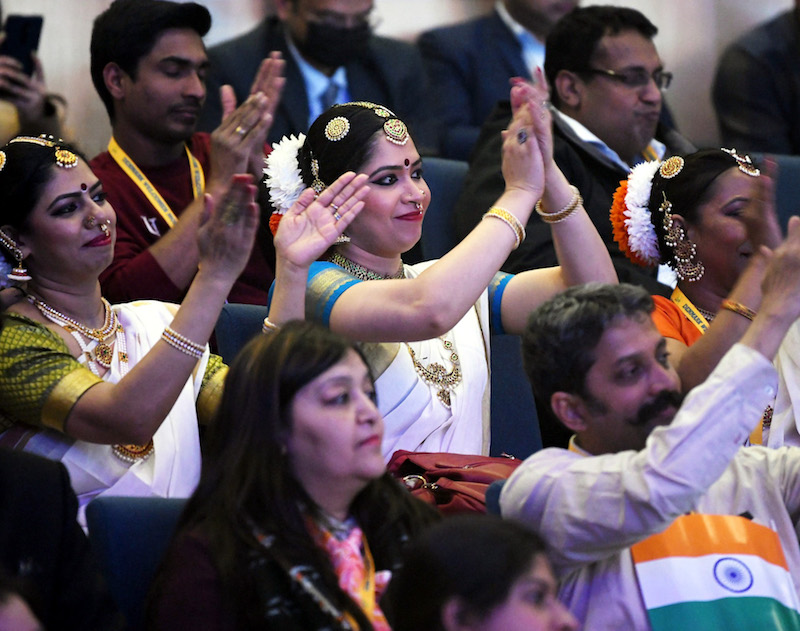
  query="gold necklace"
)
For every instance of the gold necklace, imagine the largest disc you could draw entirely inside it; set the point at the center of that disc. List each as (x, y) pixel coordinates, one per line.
(438, 376)
(100, 334)
(102, 354)
(361, 272)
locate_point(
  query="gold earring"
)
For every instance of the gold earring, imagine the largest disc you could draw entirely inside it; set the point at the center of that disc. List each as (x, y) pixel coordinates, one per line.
(318, 185)
(18, 273)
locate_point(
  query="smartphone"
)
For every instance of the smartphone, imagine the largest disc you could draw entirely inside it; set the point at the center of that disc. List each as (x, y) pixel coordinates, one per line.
(22, 38)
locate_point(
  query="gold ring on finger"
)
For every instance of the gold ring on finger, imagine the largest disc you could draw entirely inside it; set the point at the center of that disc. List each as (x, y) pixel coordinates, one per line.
(231, 213)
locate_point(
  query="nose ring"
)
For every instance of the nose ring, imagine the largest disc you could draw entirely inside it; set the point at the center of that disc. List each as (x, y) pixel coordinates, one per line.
(90, 222)
(104, 227)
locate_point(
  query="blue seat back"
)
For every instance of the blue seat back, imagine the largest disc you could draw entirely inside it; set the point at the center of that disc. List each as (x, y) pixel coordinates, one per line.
(787, 186)
(129, 536)
(515, 424)
(237, 325)
(445, 179)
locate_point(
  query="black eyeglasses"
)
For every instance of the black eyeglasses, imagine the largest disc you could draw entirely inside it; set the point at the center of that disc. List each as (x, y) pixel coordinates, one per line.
(635, 78)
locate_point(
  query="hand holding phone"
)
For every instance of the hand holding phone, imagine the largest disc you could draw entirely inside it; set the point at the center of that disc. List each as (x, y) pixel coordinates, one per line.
(21, 39)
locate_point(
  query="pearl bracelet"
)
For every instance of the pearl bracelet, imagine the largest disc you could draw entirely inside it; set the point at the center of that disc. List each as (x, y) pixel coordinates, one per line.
(510, 220)
(565, 212)
(182, 343)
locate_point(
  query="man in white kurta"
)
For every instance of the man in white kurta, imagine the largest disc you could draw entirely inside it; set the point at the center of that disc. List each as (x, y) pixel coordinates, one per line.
(636, 462)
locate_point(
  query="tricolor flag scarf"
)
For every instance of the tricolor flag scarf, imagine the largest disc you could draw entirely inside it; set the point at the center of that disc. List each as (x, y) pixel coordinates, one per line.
(716, 572)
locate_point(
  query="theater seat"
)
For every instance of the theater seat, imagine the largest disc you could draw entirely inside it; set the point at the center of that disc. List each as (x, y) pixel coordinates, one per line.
(515, 424)
(236, 325)
(445, 179)
(787, 193)
(129, 536)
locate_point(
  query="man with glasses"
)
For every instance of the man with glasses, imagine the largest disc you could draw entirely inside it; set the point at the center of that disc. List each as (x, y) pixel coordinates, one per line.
(332, 56)
(606, 80)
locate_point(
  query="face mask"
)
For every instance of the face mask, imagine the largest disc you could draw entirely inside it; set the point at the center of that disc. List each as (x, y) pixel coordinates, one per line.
(334, 46)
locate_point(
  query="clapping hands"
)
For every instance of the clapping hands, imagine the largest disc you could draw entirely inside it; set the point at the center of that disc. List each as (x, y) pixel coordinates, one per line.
(228, 228)
(528, 141)
(312, 225)
(238, 142)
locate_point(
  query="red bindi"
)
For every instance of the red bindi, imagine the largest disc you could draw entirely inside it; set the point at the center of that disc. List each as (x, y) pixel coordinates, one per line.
(84, 187)
(407, 162)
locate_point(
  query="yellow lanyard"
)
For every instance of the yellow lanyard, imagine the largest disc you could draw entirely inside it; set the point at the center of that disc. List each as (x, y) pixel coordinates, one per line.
(140, 179)
(691, 312)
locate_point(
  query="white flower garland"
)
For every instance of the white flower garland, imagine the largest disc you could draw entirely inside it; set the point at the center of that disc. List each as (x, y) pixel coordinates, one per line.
(283, 179)
(642, 238)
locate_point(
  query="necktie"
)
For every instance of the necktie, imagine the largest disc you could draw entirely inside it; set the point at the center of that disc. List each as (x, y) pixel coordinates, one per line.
(330, 95)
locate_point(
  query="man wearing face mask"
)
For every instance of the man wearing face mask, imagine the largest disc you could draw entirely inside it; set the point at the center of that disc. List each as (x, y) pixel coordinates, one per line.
(332, 56)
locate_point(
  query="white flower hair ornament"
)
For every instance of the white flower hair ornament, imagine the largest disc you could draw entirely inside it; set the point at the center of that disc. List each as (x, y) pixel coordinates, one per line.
(282, 176)
(631, 217)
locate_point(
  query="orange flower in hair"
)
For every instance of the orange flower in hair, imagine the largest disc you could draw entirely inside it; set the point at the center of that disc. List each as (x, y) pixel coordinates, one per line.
(618, 209)
(631, 217)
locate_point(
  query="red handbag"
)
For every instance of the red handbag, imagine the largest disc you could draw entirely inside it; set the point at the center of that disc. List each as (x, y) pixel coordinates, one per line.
(454, 483)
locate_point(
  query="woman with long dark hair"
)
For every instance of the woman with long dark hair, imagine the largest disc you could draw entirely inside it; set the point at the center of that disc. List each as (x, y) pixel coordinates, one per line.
(295, 523)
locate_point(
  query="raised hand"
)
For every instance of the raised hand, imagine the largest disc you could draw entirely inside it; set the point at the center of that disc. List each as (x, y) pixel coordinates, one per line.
(780, 302)
(782, 276)
(536, 94)
(27, 94)
(270, 80)
(228, 228)
(312, 225)
(523, 164)
(238, 143)
(760, 218)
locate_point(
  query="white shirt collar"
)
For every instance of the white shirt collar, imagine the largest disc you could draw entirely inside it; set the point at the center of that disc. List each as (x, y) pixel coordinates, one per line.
(532, 47)
(657, 147)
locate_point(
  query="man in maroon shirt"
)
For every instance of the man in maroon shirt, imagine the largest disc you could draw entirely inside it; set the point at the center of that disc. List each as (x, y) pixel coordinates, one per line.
(149, 64)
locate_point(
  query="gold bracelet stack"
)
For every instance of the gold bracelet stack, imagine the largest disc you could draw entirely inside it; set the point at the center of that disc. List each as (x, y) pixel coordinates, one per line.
(738, 307)
(510, 220)
(182, 343)
(269, 327)
(565, 212)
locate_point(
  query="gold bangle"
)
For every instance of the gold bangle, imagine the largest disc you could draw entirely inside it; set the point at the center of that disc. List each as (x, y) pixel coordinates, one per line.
(269, 327)
(510, 220)
(182, 343)
(565, 212)
(738, 307)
